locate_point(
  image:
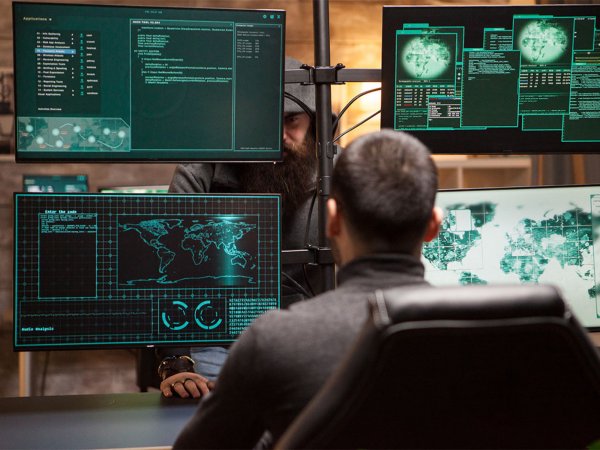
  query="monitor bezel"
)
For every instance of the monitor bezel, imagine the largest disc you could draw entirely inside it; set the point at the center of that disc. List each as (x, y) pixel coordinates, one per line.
(103, 158)
(503, 141)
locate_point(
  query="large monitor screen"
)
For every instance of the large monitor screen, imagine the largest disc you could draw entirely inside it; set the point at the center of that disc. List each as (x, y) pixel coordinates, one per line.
(146, 83)
(94, 270)
(522, 235)
(493, 79)
(55, 183)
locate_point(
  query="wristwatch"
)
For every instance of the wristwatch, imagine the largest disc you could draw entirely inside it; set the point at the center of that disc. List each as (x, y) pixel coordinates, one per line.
(175, 364)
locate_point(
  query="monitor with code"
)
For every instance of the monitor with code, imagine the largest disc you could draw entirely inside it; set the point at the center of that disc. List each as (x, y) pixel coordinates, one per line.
(125, 270)
(97, 82)
(55, 183)
(522, 235)
(493, 79)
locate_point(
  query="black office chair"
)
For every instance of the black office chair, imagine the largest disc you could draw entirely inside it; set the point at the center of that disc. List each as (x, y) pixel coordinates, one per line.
(464, 367)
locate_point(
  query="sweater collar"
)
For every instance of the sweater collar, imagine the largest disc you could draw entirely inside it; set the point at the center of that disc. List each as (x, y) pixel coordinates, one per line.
(381, 270)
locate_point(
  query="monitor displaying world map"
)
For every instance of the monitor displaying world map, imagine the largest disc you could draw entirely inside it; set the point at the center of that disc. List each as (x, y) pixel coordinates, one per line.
(138, 270)
(522, 235)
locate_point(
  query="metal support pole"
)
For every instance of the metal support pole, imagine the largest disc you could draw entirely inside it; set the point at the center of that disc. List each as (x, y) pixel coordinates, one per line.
(323, 131)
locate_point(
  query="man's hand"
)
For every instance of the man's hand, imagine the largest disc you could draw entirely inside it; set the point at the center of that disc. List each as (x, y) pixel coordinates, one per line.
(186, 384)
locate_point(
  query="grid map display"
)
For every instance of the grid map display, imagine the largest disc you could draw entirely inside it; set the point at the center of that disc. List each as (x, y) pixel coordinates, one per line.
(493, 79)
(97, 82)
(526, 235)
(134, 270)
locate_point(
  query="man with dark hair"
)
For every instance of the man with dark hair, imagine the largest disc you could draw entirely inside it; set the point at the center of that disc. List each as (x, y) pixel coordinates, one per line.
(295, 179)
(380, 213)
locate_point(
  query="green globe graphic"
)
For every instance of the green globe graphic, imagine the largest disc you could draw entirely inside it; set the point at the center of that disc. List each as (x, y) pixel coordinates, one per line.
(426, 57)
(542, 42)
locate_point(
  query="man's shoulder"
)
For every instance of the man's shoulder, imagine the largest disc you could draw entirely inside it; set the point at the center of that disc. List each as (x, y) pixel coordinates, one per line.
(330, 307)
(205, 177)
(298, 330)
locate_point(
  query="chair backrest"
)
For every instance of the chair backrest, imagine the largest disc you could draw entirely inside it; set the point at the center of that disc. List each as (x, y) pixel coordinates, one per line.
(460, 367)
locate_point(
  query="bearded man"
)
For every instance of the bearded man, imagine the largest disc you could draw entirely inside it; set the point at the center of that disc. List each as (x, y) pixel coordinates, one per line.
(295, 179)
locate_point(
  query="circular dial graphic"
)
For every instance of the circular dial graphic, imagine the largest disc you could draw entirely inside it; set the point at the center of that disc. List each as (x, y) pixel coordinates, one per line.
(176, 318)
(206, 316)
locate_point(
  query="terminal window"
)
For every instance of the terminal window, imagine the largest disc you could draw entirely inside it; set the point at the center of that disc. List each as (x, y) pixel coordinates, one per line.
(132, 83)
(132, 270)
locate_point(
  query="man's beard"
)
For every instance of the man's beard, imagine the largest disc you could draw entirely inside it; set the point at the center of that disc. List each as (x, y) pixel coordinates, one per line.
(293, 178)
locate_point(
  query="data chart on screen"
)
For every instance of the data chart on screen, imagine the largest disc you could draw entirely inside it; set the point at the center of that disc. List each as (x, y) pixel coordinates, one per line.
(494, 79)
(142, 269)
(98, 82)
(528, 235)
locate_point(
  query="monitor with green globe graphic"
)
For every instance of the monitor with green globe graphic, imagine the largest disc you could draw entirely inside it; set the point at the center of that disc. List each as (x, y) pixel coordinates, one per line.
(493, 79)
(522, 235)
(132, 270)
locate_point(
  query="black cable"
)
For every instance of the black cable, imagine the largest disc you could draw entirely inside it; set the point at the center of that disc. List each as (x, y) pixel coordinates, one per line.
(310, 211)
(307, 281)
(306, 244)
(286, 286)
(355, 126)
(337, 120)
(297, 285)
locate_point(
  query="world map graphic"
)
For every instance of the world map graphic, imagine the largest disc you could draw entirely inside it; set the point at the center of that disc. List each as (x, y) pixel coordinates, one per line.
(210, 250)
(486, 242)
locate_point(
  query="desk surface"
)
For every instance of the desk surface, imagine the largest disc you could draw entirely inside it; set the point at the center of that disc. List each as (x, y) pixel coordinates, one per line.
(92, 421)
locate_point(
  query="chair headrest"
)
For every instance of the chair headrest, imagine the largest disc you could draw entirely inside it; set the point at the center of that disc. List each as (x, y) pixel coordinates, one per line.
(466, 303)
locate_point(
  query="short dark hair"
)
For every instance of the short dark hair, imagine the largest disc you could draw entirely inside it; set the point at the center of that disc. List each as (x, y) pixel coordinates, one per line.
(385, 184)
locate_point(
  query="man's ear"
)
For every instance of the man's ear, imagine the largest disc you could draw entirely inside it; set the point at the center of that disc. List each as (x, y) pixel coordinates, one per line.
(433, 227)
(333, 219)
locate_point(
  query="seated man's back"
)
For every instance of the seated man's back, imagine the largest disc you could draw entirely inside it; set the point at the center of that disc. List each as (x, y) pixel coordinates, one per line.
(380, 212)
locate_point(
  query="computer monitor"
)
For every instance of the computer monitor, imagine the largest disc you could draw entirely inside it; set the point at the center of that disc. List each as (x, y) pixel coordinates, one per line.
(96, 82)
(522, 235)
(55, 183)
(493, 79)
(158, 189)
(125, 270)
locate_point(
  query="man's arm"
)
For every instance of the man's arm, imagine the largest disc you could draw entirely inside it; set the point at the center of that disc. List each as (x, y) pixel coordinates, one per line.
(192, 178)
(176, 370)
(186, 385)
(231, 416)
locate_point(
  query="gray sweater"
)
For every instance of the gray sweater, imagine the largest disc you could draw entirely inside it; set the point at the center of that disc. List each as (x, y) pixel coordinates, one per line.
(282, 359)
